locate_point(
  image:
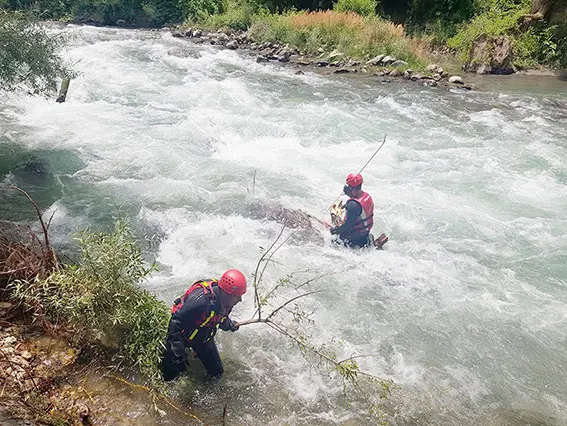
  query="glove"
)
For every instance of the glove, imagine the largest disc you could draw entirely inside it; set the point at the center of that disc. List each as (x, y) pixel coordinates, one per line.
(334, 230)
(228, 325)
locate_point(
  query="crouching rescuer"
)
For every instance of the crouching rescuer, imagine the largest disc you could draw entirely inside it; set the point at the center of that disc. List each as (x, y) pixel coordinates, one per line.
(195, 318)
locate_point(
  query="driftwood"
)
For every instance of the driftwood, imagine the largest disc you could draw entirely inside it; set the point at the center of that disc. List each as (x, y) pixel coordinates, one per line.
(27, 257)
(63, 91)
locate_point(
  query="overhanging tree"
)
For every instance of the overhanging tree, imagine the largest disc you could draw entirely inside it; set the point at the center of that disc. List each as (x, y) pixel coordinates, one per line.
(29, 54)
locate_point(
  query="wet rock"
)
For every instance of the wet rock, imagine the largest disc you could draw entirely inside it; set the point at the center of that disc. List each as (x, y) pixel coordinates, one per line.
(188, 32)
(233, 45)
(436, 76)
(456, 80)
(222, 38)
(431, 68)
(120, 23)
(395, 73)
(197, 33)
(322, 64)
(385, 81)
(284, 55)
(388, 60)
(299, 72)
(430, 83)
(407, 74)
(341, 71)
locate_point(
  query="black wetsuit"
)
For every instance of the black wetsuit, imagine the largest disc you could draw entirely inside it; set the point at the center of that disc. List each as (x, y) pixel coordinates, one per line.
(345, 231)
(194, 311)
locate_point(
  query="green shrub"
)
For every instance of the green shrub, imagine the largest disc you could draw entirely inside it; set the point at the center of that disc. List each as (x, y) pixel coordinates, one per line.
(100, 298)
(237, 15)
(492, 23)
(362, 7)
(552, 44)
(200, 10)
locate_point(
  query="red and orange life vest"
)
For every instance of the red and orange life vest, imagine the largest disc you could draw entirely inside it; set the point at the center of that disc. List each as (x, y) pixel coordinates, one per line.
(363, 223)
(209, 322)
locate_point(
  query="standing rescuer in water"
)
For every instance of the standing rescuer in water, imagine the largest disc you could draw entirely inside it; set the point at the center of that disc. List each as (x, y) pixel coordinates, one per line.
(353, 220)
(195, 318)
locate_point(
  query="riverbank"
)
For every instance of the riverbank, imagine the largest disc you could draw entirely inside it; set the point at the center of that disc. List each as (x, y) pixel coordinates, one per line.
(385, 68)
(50, 381)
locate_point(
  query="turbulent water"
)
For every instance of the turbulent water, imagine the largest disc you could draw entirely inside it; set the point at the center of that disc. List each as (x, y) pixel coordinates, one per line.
(466, 308)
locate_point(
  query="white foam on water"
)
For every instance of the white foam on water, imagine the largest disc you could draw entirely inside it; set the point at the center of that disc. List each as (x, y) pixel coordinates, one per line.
(461, 309)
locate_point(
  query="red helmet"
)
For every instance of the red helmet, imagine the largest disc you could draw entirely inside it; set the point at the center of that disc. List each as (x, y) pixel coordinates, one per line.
(233, 282)
(354, 179)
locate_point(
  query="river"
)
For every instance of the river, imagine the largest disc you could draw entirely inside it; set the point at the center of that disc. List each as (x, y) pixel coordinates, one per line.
(465, 309)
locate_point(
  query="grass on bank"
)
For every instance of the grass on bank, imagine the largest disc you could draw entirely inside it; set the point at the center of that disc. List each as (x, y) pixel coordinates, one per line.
(355, 36)
(99, 299)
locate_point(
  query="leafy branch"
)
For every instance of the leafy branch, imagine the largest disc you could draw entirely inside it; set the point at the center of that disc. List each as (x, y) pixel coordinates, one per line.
(348, 368)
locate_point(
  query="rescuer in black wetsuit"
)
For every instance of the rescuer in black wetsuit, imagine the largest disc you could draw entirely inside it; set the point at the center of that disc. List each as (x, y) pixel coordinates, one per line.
(195, 318)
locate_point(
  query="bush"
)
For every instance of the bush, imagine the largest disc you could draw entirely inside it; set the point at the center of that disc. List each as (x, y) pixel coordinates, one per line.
(200, 10)
(238, 15)
(99, 297)
(552, 44)
(493, 22)
(362, 7)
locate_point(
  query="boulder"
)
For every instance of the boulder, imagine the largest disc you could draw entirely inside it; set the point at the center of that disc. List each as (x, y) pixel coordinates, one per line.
(222, 38)
(491, 55)
(284, 55)
(399, 63)
(376, 60)
(233, 45)
(456, 80)
(335, 55)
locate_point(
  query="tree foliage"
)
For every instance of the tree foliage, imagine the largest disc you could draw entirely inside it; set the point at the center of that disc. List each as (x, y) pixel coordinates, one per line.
(29, 54)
